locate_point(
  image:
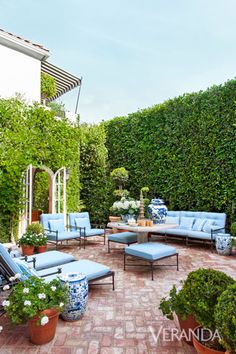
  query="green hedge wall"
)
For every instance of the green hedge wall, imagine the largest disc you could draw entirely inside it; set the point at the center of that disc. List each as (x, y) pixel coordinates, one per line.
(94, 178)
(31, 134)
(183, 149)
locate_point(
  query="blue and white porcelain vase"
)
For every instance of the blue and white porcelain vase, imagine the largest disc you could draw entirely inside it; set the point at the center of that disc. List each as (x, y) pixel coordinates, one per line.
(157, 211)
(78, 295)
(224, 244)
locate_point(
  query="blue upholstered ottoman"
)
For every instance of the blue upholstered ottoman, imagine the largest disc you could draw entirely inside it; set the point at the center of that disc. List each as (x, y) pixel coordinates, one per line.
(151, 252)
(126, 238)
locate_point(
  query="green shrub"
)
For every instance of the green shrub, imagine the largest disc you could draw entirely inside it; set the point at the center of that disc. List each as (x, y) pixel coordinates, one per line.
(233, 229)
(48, 86)
(35, 228)
(225, 318)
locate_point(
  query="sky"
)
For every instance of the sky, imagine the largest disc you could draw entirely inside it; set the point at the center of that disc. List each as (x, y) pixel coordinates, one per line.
(131, 54)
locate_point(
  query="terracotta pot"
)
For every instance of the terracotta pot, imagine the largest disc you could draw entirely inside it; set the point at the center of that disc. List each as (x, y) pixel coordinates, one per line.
(43, 334)
(27, 250)
(186, 325)
(114, 218)
(41, 249)
(35, 215)
(202, 349)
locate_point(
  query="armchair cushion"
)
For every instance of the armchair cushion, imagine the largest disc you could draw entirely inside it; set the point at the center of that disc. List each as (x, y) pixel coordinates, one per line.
(56, 225)
(26, 269)
(82, 222)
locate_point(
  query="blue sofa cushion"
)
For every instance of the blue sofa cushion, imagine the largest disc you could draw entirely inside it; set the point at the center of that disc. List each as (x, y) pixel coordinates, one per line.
(198, 225)
(51, 259)
(92, 232)
(150, 250)
(172, 220)
(91, 269)
(186, 223)
(123, 237)
(200, 235)
(56, 225)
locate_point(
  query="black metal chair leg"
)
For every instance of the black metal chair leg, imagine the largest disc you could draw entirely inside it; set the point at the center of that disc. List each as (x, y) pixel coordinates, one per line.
(108, 245)
(177, 256)
(113, 281)
(124, 260)
(84, 243)
(152, 269)
(104, 239)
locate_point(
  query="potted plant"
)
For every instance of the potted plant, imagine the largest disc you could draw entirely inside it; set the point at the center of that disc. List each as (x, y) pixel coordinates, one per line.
(205, 286)
(126, 208)
(39, 304)
(197, 298)
(41, 243)
(177, 303)
(27, 242)
(225, 318)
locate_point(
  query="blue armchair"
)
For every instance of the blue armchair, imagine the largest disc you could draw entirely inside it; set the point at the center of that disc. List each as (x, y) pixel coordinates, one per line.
(56, 230)
(81, 222)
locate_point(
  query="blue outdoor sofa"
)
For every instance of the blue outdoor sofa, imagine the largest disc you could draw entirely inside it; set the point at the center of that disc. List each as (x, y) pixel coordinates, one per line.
(195, 225)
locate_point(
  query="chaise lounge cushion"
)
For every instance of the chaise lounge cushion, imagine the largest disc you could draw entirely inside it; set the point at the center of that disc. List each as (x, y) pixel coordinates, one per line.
(14, 268)
(91, 269)
(51, 259)
(123, 237)
(150, 250)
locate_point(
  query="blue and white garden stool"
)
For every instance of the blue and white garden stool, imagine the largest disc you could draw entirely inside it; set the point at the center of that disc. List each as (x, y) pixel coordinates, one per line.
(224, 244)
(78, 296)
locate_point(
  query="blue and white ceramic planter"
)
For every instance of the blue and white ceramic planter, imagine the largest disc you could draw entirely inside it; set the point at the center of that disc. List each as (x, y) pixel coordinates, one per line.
(224, 244)
(157, 211)
(78, 296)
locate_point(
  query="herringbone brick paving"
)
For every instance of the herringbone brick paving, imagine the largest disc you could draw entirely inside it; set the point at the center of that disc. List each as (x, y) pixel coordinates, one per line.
(120, 321)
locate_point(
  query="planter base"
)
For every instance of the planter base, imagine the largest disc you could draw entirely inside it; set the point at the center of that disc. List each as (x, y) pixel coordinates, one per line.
(43, 334)
(202, 349)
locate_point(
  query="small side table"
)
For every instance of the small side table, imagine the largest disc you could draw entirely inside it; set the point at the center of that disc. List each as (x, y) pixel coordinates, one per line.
(78, 296)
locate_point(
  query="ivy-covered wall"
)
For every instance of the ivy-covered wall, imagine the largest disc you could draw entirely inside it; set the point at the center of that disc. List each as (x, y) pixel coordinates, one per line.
(183, 149)
(31, 134)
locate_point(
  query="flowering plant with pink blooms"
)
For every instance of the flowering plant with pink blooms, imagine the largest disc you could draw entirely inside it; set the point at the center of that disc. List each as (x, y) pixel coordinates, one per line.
(29, 297)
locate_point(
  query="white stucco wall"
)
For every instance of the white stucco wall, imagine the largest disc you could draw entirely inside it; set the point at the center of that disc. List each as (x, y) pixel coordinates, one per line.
(19, 73)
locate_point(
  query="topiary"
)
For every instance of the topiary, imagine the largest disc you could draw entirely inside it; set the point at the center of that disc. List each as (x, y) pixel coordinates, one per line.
(225, 318)
(35, 228)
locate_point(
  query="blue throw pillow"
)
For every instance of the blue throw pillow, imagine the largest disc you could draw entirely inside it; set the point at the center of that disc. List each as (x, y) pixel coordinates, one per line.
(186, 223)
(56, 225)
(26, 269)
(198, 225)
(208, 225)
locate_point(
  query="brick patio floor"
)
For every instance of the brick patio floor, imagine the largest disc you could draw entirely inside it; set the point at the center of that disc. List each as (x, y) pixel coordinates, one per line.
(120, 321)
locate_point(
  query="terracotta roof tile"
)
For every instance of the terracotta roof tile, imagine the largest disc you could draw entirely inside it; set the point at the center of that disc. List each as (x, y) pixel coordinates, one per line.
(25, 40)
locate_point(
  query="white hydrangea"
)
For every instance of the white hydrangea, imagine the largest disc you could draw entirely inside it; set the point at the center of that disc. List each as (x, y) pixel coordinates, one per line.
(27, 302)
(26, 290)
(44, 320)
(42, 296)
(6, 287)
(6, 303)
